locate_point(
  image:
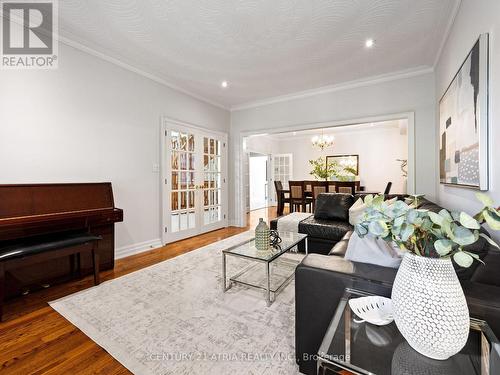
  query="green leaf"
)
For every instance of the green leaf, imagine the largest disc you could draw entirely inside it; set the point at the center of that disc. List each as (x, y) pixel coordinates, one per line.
(378, 200)
(463, 236)
(443, 247)
(436, 219)
(484, 199)
(492, 219)
(468, 221)
(378, 228)
(479, 217)
(489, 240)
(475, 256)
(463, 259)
(411, 216)
(406, 231)
(398, 221)
(447, 229)
(369, 199)
(445, 214)
(427, 224)
(361, 230)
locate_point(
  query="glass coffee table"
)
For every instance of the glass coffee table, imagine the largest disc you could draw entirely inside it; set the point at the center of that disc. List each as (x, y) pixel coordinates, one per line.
(363, 348)
(277, 271)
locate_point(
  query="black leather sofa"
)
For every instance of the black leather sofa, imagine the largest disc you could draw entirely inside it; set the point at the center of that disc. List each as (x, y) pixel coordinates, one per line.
(330, 222)
(320, 281)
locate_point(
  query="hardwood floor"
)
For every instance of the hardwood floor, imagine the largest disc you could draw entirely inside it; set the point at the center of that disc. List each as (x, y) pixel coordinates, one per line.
(34, 339)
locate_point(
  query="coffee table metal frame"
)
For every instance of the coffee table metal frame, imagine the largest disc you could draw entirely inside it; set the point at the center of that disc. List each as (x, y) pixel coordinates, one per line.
(234, 279)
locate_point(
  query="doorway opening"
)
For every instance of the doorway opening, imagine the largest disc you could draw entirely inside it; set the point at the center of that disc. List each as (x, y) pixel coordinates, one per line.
(258, 167)
(383, 147)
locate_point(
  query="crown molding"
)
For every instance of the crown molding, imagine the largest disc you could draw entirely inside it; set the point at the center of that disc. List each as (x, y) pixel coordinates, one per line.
(83, 48)
(373, 80)
(447, 31)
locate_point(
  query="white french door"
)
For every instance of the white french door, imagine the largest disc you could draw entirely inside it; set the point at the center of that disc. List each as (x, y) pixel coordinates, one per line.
(194, 188)
(282, 170)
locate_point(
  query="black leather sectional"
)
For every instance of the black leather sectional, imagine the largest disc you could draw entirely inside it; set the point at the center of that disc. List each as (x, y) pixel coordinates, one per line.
(320, 280)
(329, 223)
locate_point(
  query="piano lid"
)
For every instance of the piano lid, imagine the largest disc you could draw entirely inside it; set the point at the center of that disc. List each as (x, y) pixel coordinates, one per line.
(25, 200)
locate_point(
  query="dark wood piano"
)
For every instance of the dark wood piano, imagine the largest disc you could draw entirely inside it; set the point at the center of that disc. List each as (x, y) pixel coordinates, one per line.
(30, 210)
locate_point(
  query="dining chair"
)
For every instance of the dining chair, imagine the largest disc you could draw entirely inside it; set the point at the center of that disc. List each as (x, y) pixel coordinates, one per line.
(308, 185)
(388, 188)
(282, 197)
(317, 187)
(331, 187)
(298, 196)
(347, 187)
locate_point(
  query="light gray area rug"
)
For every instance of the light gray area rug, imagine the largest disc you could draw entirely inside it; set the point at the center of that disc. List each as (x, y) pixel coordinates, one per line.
(172, 318)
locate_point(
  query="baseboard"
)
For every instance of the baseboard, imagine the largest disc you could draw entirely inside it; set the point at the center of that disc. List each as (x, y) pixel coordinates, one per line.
(137, 248)
(235, 223)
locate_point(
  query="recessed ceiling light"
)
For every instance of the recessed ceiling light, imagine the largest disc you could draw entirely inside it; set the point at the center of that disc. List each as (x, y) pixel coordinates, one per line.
(369, 43)
(294, 133)
(224, 84)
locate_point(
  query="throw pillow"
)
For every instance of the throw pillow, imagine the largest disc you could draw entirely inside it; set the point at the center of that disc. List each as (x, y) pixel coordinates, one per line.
(331, 206)
(371, 250)
(356, 211)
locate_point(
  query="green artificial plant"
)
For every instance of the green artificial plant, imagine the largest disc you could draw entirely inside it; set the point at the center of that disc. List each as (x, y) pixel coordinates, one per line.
(426, 233)
(322, 170)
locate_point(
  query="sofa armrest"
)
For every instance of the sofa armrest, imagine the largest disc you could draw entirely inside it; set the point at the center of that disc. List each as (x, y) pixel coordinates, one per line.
(320, 282)
(484, 303)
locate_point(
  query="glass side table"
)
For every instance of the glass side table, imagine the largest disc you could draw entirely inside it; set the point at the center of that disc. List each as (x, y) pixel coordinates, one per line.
(363, 348)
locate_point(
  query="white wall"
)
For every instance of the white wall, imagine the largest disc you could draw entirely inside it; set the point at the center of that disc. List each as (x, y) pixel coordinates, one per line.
(378, 150)
(91, 120)
(414, 94)
(473, 18)
(261, 144)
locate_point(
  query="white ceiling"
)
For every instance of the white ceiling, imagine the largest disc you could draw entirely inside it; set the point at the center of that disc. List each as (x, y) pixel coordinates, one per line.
(264, 48)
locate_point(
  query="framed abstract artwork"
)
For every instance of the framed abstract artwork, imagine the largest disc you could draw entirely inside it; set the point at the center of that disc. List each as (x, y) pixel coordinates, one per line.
(463, 122)
(345, 161)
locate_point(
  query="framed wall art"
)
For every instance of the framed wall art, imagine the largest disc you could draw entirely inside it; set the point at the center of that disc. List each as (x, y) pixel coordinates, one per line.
(463, 122)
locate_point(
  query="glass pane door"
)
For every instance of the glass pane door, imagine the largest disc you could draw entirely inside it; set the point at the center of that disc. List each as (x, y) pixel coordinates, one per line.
(183, 182)
(194, 192)
(212, 184)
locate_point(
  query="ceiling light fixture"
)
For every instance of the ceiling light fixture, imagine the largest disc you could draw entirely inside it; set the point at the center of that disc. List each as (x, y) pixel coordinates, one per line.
(322, 141)
(224, 84)
(369, 43)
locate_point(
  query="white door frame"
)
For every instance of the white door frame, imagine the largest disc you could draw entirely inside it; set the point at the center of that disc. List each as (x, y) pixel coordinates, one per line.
(165, 124)
(241, 217)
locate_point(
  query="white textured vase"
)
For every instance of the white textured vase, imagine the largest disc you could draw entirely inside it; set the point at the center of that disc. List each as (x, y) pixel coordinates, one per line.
(429, 306)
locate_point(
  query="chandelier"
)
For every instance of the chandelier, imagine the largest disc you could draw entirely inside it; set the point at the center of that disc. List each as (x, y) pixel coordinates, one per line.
(322, 141)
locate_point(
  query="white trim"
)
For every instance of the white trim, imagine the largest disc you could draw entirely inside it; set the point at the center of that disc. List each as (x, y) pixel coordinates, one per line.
(337, 87)
(240, 216)
(121, 64)
(140, 247)
(447, 31)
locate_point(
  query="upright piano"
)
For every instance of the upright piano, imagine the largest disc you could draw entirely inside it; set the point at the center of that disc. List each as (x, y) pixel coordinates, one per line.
(30, 210)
